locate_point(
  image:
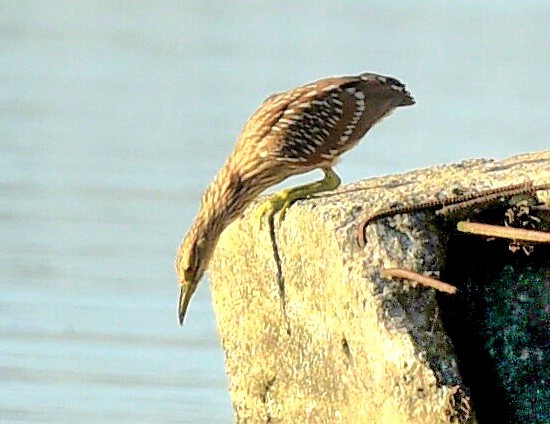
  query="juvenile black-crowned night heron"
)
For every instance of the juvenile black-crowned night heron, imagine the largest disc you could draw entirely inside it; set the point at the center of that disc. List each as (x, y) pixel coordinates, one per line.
(291, 133)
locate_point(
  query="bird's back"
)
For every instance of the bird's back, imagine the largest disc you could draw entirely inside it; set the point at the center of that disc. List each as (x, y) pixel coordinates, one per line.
(312, 125)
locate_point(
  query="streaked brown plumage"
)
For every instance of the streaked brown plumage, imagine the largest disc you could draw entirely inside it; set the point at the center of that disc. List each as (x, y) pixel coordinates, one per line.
(291, 133)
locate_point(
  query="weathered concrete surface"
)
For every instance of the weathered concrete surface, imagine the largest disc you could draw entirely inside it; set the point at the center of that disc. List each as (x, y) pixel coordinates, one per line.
(353, 347)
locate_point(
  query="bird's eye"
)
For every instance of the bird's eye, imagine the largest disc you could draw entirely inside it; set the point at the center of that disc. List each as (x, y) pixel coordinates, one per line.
(188, 273)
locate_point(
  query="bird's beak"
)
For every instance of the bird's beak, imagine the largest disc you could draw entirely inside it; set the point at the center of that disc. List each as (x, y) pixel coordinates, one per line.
(186, 292)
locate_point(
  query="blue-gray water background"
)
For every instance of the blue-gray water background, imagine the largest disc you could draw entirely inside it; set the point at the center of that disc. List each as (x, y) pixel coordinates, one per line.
(115, 115)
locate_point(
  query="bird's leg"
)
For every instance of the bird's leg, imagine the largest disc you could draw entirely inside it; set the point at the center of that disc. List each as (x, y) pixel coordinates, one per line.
(280, 202)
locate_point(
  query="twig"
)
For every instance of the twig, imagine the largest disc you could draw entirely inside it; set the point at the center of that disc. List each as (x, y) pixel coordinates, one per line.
(419, 278)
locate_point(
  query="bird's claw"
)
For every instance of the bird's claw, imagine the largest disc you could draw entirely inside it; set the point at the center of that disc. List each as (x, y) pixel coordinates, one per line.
(275, 205)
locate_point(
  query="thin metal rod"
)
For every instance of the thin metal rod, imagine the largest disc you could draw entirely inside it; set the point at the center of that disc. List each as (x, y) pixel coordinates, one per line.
(503, 232)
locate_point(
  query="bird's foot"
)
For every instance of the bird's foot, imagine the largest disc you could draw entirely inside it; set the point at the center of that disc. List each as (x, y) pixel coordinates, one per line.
(280, 202)
(276, 204)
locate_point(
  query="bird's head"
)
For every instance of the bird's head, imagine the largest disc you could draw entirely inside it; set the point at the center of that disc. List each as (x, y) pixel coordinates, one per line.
(192, 260)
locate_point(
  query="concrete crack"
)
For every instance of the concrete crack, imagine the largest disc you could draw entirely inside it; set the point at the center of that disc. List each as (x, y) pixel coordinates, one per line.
(279, 276)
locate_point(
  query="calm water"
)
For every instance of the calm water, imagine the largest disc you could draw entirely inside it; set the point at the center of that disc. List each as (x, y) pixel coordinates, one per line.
(115, 115)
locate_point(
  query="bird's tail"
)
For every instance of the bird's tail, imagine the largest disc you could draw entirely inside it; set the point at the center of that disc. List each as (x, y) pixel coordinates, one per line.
(408, 99)
(186, 292)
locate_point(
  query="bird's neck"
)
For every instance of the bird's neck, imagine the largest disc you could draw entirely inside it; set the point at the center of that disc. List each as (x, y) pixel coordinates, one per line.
(223, 201)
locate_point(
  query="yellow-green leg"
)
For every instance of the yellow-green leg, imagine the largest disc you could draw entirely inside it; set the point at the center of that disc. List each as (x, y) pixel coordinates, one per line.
(280, 202)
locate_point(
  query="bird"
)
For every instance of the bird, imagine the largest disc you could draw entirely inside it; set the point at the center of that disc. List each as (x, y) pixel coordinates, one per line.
(292, 132)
